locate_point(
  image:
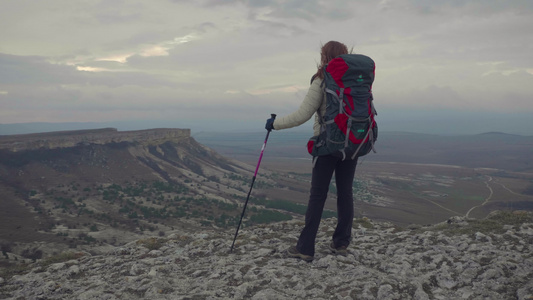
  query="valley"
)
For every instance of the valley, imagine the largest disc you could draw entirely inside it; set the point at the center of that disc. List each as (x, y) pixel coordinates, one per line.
(413, 178)
(93, 190)
(405, 193)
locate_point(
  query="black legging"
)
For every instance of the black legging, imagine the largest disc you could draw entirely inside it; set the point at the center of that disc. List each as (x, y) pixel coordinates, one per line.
(322, 174)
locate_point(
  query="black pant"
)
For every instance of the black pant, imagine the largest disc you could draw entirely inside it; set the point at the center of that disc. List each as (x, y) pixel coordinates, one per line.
(322, 174)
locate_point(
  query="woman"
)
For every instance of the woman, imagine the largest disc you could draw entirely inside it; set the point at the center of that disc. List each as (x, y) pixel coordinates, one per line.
(323, 168)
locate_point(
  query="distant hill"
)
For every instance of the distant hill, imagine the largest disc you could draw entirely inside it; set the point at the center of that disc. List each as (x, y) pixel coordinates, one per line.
(41, 127)
(488, 150)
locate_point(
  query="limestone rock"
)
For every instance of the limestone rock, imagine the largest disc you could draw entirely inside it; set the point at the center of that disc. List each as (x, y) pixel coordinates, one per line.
(417, 263)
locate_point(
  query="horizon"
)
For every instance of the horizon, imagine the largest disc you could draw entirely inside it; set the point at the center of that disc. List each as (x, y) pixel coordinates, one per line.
(47, 127)
(441, 67)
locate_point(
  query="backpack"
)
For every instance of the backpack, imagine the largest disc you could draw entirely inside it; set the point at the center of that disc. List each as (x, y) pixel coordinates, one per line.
(348, 128)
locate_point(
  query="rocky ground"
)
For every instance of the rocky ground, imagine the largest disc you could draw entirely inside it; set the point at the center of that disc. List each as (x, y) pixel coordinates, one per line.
(458, 259)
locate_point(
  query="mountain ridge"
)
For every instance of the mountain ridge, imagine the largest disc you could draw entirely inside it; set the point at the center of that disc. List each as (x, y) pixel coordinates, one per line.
(93, 188)
(66, 139)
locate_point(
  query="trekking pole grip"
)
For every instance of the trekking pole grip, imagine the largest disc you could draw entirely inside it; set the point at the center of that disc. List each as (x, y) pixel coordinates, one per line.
(270, 125)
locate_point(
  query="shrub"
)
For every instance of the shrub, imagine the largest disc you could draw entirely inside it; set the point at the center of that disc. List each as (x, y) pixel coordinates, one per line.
(152, 243)
(33, 254)
(269, 216)
(364, 222)
(6, 248)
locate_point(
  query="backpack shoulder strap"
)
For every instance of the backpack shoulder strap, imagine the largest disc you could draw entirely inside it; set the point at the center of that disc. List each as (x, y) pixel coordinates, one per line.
(324, 97)
(313, 78)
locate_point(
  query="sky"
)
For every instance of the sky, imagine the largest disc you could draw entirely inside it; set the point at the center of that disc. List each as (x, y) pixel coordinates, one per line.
(443, 67)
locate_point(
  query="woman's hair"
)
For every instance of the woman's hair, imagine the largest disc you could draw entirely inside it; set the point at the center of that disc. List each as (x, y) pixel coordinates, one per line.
(329, 51)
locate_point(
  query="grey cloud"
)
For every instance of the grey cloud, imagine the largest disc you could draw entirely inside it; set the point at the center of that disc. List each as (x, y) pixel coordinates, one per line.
(434, 51)
(484, 6)
(277, 21)
(437, 96)
(477, 7)
(118, 79)
(204, 27)
(313, 10)
(143, 37)
(33, 70)
(114, 17)
(155, 37)
(41, 97)
(36, 71)
(221, 2)
(210, 3)
(474, 31)
(110, 12)
(309, 10)
(279, 29)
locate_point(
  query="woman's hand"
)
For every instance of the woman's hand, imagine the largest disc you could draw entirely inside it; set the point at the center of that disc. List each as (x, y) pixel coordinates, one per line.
(270, 124)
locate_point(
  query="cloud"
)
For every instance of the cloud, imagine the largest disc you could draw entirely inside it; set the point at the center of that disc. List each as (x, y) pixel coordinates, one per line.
(24, 71)
(185, 58)
(158, 49)
(309, 10)
(482, 95)
(291, 89)
(333, 10)
(473, 7)
(91, 69)
(33, 70)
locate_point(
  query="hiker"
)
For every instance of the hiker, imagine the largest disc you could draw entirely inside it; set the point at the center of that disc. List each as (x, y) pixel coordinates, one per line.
(324, 167)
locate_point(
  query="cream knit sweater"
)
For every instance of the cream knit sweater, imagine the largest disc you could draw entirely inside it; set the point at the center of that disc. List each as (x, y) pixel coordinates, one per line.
(312, 102)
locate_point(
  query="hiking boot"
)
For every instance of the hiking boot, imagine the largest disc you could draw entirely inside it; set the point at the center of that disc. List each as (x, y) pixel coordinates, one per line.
(342, 250)
(293, 252)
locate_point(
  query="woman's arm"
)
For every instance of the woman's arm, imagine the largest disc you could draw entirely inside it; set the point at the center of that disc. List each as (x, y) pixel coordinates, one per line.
(309, 106)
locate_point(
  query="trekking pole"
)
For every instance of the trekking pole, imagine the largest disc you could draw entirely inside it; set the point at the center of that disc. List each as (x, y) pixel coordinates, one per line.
(251, 185)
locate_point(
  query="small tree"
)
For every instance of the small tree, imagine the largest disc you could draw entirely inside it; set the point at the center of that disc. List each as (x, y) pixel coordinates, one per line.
(33, 254)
